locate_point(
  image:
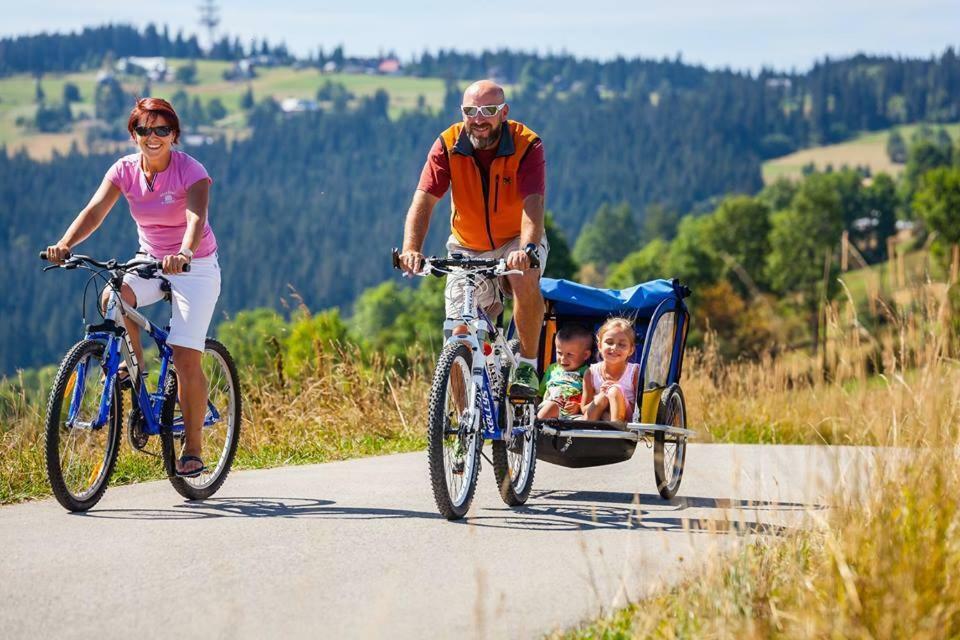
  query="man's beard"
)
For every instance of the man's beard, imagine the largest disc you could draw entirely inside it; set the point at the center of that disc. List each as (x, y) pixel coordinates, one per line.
(488, 141)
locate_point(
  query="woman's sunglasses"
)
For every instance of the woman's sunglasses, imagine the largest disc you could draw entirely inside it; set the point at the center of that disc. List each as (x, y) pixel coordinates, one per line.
(486, 111)
(160, 132)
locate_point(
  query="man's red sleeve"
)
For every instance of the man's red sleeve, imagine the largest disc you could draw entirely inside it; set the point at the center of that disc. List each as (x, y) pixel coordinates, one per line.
(531, 174)
(435, 177)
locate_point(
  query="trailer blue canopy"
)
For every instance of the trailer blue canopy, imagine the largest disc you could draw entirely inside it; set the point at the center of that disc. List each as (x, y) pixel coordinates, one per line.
(575, 299)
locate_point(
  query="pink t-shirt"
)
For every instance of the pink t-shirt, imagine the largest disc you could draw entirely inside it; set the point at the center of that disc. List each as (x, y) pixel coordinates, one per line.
(161, 211)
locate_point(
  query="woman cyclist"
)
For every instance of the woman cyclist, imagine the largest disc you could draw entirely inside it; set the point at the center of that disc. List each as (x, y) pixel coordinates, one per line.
(168, 193)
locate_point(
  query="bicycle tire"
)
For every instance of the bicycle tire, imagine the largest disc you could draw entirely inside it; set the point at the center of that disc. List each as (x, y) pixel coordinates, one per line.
(511, 493)
(55, 428)
(672, 411)
(208, 483)
(442, 469)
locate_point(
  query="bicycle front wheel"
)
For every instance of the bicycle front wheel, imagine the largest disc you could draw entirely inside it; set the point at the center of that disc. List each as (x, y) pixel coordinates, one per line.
(453, 443)
(81, 449)
(221, 425)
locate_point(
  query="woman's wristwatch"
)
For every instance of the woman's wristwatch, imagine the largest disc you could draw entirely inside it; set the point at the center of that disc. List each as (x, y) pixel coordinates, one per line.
(187, 253)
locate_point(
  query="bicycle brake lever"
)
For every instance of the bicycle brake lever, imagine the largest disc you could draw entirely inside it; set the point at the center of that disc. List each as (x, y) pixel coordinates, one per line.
(52, 266)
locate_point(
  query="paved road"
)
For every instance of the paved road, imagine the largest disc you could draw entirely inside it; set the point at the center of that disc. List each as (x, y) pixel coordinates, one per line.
(356, 549)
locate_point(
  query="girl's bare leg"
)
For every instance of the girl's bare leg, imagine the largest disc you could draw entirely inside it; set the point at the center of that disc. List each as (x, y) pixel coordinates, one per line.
(618, 406)
(597, 407)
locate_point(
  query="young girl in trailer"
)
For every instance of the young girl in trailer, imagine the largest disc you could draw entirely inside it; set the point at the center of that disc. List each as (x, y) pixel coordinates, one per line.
(610, 386)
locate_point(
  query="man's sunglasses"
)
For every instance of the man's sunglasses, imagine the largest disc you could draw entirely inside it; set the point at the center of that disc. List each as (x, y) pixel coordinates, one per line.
(160, 132)
(486, 111)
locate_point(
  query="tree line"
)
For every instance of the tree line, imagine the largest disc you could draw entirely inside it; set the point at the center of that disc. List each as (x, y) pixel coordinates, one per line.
(87, 48)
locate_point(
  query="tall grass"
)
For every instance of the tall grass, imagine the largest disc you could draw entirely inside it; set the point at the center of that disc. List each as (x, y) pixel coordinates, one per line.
(884, 562)
(340, 405)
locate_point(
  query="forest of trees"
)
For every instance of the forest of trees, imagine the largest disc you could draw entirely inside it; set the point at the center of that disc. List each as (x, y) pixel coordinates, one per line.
(86, 49)
(312, 203)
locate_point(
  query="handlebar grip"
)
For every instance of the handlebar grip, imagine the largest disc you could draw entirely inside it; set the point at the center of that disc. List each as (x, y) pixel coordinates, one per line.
(43, 255)
(533, 256)
(396, 258)
(186, 268)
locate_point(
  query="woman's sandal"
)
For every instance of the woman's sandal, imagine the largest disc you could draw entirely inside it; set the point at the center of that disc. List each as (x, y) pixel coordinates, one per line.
(193, 473)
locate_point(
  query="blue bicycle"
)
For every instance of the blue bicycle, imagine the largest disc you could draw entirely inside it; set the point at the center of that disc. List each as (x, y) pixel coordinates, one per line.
(85, 409)
(468, 398)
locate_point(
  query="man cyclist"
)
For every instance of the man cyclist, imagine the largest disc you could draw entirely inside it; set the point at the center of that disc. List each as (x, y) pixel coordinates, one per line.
(496, 169)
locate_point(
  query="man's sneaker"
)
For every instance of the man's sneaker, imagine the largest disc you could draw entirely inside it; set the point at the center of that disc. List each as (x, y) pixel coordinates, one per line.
(523, 383)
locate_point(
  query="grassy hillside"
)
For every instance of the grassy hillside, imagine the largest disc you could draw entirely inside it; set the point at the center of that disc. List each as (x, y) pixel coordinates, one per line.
(17, 97)
(868, 149)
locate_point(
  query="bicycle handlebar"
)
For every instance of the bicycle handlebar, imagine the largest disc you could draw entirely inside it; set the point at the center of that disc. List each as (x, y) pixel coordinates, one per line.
(464, 262)
(136, 263)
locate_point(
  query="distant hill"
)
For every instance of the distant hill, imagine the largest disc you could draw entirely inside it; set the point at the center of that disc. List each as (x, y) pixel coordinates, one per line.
(18, 98)
(865, 150)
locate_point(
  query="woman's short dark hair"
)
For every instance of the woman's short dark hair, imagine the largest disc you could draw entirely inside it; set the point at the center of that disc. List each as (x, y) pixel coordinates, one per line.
(154, 107)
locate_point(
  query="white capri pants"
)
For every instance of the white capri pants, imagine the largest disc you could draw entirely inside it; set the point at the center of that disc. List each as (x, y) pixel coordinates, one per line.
(194, 295)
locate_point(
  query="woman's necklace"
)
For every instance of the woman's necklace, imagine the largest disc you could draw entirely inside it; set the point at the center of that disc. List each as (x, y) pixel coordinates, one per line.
(149, 176)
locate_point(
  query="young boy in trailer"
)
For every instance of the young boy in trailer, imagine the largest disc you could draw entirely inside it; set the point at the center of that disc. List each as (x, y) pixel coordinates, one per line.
(563, 380)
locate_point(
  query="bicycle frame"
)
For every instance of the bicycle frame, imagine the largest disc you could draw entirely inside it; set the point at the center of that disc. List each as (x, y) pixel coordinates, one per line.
(479, 327)
(119, 345)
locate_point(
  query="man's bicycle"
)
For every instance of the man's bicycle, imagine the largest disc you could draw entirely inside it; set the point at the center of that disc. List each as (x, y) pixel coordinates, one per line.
(85, 409)
(468, 398)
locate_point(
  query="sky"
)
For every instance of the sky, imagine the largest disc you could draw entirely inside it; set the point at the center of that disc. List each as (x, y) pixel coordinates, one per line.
(743, 35)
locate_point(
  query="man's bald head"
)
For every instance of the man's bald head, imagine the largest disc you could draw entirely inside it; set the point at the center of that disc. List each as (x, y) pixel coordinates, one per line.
(484, 92)
(484, 131)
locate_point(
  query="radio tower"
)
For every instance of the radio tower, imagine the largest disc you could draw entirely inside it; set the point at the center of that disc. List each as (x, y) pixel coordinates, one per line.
(210, 18)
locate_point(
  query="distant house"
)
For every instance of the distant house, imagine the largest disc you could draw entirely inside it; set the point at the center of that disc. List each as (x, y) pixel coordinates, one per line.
(355, 67)
(196, 139)
(779, 83)
(264, 60)
(241, 70)
(330, 67)
(298, 105)
(154, 68)
(498, 75)
(389, 67)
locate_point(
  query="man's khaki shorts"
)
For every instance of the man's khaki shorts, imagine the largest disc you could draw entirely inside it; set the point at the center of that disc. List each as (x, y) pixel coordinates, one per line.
(490, 293)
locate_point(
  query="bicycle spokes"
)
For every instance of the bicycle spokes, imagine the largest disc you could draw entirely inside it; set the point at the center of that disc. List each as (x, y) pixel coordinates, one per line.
(84, 441)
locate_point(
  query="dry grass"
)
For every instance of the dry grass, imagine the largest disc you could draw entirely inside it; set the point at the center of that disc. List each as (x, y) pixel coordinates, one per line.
(340, 407)
(884, 562)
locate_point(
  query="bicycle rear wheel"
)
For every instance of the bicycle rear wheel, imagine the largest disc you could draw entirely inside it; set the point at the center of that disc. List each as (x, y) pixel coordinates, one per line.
(80, 453)
(515, 459)
(453, 441)
(670, 451)
(221, 425)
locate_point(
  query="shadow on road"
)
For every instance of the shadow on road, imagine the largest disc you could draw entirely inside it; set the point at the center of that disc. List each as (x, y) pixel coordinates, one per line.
(547, 510)
(560, 510)
(683, 502)
(256, 507)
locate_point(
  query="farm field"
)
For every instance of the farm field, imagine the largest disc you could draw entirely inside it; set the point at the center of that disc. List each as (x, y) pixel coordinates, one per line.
(18, 97)
(868, 149)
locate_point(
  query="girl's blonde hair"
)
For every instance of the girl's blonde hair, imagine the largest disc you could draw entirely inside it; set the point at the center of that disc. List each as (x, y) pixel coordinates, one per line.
(618, 323)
